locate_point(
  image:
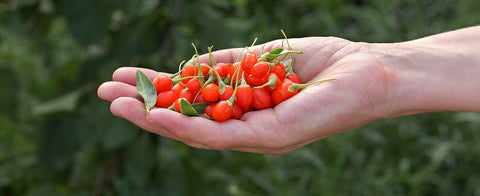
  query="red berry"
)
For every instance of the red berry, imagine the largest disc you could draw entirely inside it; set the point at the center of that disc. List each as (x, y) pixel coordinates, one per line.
(186, 94)
(165, 99)
(204, 67)
(237, 111)
(162, 83)
(279, 69)
(177, 104)
(248, 61)
(223, 69)
(194, 85)
(260, 69)
(187, 71)
(177, 88)
(281, 93)
(209, 110)
(254, 81)
(294, 78)
(244, 96)
(261, 98)
(227, 94)
(222, 111)
(238, 76)
(210, 92)
(200, 99)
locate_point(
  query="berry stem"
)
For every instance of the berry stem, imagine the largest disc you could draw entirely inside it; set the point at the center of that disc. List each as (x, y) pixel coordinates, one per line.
(292, 88)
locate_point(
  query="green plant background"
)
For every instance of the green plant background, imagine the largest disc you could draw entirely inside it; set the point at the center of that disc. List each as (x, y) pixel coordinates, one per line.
(58, 138)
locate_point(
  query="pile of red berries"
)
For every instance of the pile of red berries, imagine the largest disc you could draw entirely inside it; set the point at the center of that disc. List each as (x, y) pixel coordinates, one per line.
(222, 91)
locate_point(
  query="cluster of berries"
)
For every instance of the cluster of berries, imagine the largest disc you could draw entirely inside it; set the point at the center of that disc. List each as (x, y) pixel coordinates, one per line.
(230, 90)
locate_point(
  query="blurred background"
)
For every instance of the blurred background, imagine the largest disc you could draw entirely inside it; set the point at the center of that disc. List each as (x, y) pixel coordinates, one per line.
(58, 138)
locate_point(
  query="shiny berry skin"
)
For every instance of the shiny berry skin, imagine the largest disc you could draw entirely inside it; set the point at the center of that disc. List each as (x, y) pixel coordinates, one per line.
(294, 78)
(237, 111)
(281, 93)
(261, 98)
(238, 76)
(227, 94)
(165, 99)
(244, 96)
(222, 111)
(254, 81)
(186, 94)
(222, 69)
(200, 99)
(187, 71)
(209, 109)
(177, 88)
(260, 69)
(279, 69)
(248, 61)
(162, 83)
(194, 85)
(211, 92)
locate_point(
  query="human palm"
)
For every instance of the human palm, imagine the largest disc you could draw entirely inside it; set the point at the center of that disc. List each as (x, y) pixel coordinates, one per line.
(356, 97)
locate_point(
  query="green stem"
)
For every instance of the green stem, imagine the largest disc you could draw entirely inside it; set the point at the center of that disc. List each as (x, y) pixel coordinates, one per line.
(292, 88)
(209, 80)
(175, 81)
(272, 82)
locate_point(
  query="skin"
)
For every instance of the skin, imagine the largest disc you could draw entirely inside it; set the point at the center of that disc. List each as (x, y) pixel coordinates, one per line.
(374, 81)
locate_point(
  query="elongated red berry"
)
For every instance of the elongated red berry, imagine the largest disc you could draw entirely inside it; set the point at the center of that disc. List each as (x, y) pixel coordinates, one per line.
(237, 111)
(210, 92)
(227, 94)
(294, 78)
(194, 85)
(281, 93)
(177, 88)
(222, 111)
(260, 69)
(222, 69)
(162, 83)
(254, 81)
(209, 110)
(248, 61)
(165, 99)
(187, 71)
(244, 96)
(279, 69)
(261, 98)
(186, 94)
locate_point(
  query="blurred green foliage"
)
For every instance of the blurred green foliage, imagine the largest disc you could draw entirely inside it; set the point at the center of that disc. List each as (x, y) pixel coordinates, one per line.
(58, 138)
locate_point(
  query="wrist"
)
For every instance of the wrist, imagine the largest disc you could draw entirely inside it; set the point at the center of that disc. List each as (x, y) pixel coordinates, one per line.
(438, 73)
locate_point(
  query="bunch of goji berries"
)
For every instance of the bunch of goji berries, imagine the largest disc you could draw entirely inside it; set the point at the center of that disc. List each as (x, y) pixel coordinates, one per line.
(230, 90)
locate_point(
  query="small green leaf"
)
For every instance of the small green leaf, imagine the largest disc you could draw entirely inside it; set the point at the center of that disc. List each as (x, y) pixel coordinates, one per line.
(200, 107)
(187, 109)
(269, 56)
(146, 90)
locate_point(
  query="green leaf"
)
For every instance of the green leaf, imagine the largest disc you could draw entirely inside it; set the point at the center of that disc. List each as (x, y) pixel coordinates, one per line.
(269, 56)
(200, 107)
(187, 109)
(146, 90)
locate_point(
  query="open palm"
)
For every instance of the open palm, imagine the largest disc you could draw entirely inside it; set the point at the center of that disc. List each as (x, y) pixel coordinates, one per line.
(356, 97)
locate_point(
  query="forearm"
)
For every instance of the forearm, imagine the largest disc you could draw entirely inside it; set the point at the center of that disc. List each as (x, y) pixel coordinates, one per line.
(436, 73)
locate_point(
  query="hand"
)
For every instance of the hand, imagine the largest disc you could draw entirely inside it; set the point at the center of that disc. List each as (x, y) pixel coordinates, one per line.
(357, 97)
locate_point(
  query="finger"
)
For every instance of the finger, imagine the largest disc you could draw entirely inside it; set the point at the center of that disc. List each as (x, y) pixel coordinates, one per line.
(130, 109)
(112, 90)
(128, 74)
(209, 133)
